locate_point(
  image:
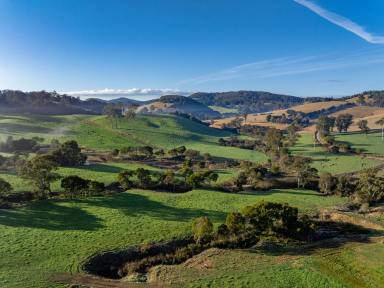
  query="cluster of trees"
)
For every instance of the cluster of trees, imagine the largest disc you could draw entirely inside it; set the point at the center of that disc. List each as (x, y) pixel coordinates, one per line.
(367, 188)
(325, 124)
(242, 143)
(173, 181)
(76, 186)
(147, 152)
(244, 228)
(292, 117)
(40, 170)
(241, 230)
(68, 154)
(248, 101)
(22, 145)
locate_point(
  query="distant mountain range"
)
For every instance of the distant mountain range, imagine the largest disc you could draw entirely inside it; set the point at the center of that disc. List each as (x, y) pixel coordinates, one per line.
(197, 105)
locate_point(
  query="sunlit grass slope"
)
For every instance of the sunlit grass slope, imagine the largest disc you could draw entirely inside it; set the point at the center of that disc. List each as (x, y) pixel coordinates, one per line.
(329, 162)
(56, 236)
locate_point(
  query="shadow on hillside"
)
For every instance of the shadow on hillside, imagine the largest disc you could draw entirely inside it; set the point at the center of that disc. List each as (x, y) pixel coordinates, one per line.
(20, 128)
(347, 233)
(135, 205)
(277, 191)
(103, 168)
(51, 216)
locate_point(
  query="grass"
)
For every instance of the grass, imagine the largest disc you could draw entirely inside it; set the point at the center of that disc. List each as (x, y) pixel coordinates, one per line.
(353, 265)
(160, 131)
(221, 109)
(328, 162)
(371, 143)
(56, 236)
(156, 130)
(106, 173)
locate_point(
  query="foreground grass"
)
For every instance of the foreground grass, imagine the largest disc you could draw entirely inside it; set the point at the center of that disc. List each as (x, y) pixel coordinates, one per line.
(353, 265)
(55, 236)
(328, 162)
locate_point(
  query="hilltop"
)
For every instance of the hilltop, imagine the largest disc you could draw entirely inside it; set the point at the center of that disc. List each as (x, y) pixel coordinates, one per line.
(365, 106)
(180, 104)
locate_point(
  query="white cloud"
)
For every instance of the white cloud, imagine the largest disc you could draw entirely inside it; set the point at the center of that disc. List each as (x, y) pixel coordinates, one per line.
(291, 66)
(342, 21)
(135, 93)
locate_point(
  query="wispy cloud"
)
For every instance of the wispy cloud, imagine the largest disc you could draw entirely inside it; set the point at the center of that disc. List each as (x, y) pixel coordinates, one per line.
(291, 66)
(342, 21)
(135, 93)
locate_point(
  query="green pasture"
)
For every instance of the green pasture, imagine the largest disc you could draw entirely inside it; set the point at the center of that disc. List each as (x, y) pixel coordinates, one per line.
(47, 237)
(329, 162)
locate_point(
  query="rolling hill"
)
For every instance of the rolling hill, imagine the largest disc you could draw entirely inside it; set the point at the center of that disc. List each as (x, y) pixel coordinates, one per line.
(247, 101)
(180, 104)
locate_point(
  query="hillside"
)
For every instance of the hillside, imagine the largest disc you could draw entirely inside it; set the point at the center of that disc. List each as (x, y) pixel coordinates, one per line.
(247, 101)
(46, 103)
(175, 103)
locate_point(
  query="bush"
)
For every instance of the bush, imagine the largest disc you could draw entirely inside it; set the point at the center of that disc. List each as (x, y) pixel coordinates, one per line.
(202, 229)
(69, 154)
(5, 187)
(74, 185)
(327, 183)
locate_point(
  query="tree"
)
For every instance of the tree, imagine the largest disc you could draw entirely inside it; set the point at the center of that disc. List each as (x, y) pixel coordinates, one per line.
(202, 229)
(124, 178)
(114, 113)
(325, 124)
(370, 186)
(241, 180)
(363, 126)
(304, 171)
(292, 134)
(39, 171)
(69, 154)
(130, 113)
(143, 177)
(344, 186)
(381, 123)
(96, 187)
(235, 222)
(5, 187)
(74, 185)
(326, 183)
(273, 139)
(343, 122)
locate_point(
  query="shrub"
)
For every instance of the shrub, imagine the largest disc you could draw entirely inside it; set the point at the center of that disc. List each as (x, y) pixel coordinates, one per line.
(74, 185)
(69, 154)
(202, 229)
(96, 187)
(5, 187)
(327, 183)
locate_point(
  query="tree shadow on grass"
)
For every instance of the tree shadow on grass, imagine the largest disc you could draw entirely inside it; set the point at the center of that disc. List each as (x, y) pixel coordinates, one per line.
(135, 205)
(103, 168)
(50, 216)
(20, 128)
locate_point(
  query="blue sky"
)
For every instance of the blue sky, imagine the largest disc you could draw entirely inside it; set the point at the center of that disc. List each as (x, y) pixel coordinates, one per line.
(145, 48)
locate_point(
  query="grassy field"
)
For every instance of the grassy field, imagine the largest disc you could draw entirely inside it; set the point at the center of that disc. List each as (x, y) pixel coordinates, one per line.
(328, 162)
(96, 132)
(55, 236)
(106, 173)
(353, 265)
(370, 143)
(221, 109)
